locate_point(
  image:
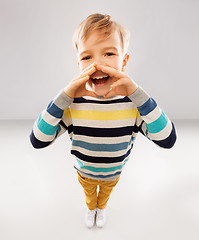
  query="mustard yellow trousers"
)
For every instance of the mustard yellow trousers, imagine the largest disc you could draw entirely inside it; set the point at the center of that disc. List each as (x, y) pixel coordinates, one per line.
(90, 189)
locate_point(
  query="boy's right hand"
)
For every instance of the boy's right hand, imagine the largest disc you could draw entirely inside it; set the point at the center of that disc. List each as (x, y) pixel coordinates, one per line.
(77, 87)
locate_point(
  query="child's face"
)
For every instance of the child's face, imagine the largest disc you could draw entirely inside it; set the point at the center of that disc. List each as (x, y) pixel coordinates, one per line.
(106, 52)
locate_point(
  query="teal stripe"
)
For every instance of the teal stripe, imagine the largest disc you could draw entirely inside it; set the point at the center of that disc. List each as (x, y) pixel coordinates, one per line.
(102, 147)
(158, 124)
(126, 160)
(101, 169)
(46, 128)
(102, 177)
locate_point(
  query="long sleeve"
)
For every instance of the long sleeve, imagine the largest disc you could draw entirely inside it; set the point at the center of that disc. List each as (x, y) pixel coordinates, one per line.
(50, 123)
(153, 122)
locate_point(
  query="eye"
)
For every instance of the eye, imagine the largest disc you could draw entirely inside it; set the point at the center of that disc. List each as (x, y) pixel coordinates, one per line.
(110, 54)
(86, 58)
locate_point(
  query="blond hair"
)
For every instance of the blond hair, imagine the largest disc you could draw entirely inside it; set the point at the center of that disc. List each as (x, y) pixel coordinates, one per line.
(103, 24)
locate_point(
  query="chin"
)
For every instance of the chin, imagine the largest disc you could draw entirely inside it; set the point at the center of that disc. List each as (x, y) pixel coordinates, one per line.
(101, 91)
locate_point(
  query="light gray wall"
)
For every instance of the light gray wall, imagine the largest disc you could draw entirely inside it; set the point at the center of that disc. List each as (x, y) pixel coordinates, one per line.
(37, 57)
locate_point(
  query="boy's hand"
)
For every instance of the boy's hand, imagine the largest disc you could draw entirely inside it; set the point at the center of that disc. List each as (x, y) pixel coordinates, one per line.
(122, 84)
(77, 87)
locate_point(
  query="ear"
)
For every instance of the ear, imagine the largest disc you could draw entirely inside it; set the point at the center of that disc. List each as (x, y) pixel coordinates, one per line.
(125, 61)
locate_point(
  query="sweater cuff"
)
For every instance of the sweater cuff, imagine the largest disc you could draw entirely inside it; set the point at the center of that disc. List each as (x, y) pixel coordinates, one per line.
(139, 97)
(62, 100)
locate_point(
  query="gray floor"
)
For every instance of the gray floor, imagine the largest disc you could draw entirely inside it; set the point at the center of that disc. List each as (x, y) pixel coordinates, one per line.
(40, 198)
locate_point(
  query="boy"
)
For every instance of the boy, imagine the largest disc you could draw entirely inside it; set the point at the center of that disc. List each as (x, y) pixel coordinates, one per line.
(102, 109)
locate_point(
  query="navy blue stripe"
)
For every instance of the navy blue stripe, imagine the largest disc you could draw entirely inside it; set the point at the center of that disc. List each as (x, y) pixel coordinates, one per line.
(83, 100)
(140, 127)
(37, 143)
(104, 132)
(70, 129)
(99, 159)
(169, 141)
(147, 107)
(54, 110)
(63, 125)
(99, 176)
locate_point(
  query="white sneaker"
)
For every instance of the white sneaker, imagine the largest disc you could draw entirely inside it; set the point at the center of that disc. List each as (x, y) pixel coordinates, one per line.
(101, 217)
(90, 218)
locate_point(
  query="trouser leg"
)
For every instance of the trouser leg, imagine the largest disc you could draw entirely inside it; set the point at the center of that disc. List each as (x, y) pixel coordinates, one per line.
(105, 190)
(90, 190)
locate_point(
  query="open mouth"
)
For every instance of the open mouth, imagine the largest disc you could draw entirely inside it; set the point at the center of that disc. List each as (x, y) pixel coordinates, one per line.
(100, 80)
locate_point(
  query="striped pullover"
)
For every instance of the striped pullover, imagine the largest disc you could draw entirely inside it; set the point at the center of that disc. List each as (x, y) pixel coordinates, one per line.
(103, 131)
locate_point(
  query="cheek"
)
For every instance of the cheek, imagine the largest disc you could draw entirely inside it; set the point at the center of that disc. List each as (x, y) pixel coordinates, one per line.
(116, 65)
(119, 65)
(83, 65)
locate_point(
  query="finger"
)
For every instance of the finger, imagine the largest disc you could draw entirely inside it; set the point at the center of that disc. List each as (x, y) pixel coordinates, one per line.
(89, 72)
(110, 93)
(90, 93)
(112, 72)
(117, 84)
(114, 88)
(83, 80)
(90, 66)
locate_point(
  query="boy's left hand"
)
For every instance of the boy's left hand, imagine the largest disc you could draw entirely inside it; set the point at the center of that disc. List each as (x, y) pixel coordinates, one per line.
(122, 84)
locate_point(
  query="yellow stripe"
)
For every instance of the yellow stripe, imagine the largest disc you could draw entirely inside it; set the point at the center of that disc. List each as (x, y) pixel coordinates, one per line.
(67, 113)
(101, 115)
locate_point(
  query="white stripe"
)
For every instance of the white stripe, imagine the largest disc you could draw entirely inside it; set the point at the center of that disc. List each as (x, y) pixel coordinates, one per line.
(144, 129)
(102, 140)
(134, 135)
(63, 130)
(103, 99)
(152, 116)
(138, 121)
(104, 124)
(164, 133)
(41, 136)
(49, 118)
(96, 173)
(103, 107)
(71, 135)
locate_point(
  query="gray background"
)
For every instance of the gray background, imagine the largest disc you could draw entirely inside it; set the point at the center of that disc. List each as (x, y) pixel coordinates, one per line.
(37, 57)
(158, 194)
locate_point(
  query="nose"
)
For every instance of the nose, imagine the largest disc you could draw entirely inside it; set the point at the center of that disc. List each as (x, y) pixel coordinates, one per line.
(99, 61)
